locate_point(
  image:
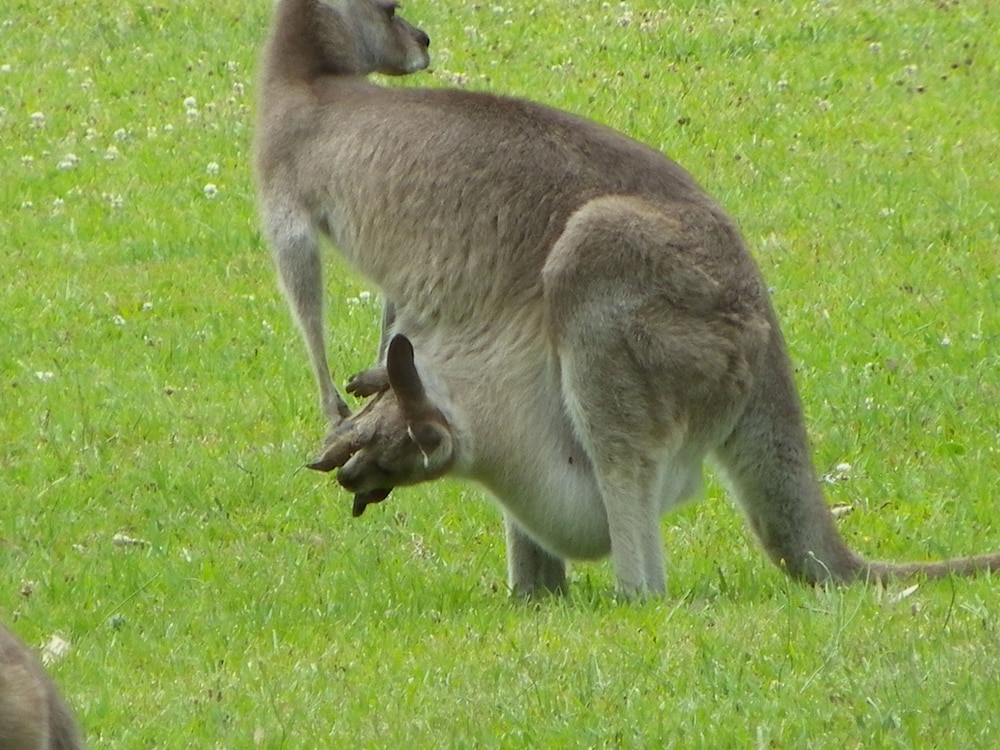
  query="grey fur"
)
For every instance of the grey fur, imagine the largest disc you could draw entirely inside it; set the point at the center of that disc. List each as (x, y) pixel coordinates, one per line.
(33, 716)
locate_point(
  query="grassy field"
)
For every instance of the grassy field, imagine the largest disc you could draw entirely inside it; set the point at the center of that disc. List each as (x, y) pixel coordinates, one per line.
(156, 404)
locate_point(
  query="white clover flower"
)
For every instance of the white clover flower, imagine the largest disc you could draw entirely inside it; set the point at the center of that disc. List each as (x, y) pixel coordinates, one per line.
(118, 320)
(5, 68)
(45, 375)
(455, 79)
(190, 103)
(57, 648)
(69, 161)
(120, 135)
(90, 135)
(212, 168)
(27, 161)
(111, 154)
(840, 473)
(211, 191)
(38, 119)
(238, 89)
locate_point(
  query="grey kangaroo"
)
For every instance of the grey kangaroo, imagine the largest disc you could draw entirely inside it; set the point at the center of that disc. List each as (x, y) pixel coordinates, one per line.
(577, 326)
(33, 716)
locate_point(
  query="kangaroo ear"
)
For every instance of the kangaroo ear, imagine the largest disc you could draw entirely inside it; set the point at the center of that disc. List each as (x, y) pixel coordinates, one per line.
(405, 381)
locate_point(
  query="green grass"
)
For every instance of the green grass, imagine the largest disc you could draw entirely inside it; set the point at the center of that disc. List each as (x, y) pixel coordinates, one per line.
(152, 385)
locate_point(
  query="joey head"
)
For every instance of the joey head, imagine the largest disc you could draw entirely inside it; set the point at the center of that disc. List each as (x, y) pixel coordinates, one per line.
(399, 438)
(575, 324)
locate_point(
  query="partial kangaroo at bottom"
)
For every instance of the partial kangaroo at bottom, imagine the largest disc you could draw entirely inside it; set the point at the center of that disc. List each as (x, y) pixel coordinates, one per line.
(33, 716)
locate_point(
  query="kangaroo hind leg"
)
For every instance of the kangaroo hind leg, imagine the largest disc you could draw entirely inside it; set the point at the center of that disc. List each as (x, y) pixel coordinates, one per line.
(655, 358)
(531, 569)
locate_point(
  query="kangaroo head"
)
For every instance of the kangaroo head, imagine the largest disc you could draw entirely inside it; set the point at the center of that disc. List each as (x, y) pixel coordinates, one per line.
(359, 37)
(399, 438)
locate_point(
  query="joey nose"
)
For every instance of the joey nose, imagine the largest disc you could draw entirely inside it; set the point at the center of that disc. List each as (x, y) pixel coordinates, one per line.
(423, 38)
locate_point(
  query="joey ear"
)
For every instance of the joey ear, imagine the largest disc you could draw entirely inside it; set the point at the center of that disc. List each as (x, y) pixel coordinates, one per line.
(428, 435)
(405, 381)
(425, 423)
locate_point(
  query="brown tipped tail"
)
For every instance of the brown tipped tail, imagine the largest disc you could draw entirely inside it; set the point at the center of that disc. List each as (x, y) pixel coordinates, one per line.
(885, 572)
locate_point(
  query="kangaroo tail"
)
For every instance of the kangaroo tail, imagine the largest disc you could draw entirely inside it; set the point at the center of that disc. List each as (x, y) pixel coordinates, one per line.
(884, 572)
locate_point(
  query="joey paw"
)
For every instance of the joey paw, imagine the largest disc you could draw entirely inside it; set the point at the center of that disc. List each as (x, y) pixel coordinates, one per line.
(368, 382)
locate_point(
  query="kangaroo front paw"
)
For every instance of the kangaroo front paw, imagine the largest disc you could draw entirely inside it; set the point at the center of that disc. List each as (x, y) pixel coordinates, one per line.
(368, 382)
